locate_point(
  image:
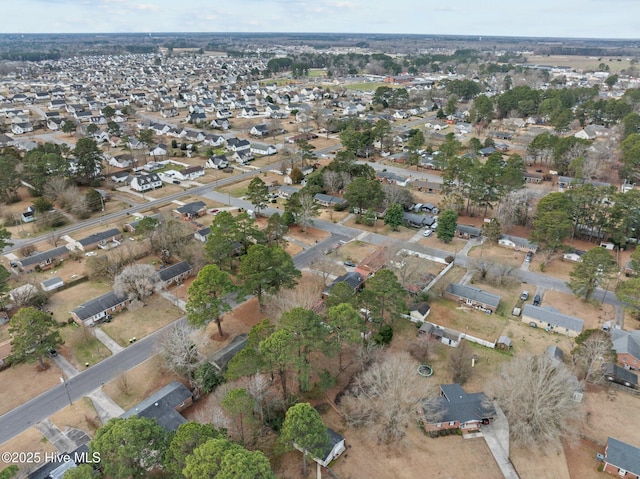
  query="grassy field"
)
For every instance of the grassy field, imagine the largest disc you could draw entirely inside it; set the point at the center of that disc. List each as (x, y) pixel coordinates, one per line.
(128, 324)
(81, 346)
(368, 86)
(317, 72)
(579, 62)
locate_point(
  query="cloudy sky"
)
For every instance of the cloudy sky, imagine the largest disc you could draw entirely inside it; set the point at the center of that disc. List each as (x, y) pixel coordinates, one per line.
(542, 18)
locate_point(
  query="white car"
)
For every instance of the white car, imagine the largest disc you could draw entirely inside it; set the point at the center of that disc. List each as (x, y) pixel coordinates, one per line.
(427, 233)
(91, 253)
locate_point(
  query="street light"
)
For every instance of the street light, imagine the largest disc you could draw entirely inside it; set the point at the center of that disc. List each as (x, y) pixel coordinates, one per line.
(66, 388)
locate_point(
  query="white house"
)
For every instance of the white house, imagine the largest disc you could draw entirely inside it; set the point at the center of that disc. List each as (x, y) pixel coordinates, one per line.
(190, 173)
(263, 149)
(160, 150)
(217, 162)
(146, 182)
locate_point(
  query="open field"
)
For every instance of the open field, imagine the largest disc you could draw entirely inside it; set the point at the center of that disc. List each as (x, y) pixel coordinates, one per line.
(580, 62)
(497, 253)
(142, 321)
(27, 381)
(454, 246)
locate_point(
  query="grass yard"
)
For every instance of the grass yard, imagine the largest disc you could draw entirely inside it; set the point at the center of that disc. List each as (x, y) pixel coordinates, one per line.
(31, 441)
(368, 86)
(354, 251)
(81, 346)
(142, 321)
(81, 415)
(26, 382)
(594, 314)
(466, 320)
(131, 387)
(454, 246)
(64, 301)
(497, 253)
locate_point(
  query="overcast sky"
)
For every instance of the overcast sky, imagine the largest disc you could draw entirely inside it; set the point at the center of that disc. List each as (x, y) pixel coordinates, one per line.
(540, 18)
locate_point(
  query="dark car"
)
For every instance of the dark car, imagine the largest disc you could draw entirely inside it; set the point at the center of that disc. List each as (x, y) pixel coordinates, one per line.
(53, 353)
(350, 263)
(537, 300)
(176, 182)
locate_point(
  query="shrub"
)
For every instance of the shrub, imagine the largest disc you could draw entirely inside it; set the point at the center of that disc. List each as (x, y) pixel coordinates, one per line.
(449, 259)
(384, 336)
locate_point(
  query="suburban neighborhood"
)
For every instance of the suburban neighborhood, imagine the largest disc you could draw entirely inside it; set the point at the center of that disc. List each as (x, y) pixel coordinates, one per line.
(282, 257)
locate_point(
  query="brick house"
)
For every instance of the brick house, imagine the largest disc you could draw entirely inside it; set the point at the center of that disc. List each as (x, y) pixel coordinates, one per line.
(621, 459)
(45, 260)
(175, 273)
(94, 311)
(627, 345)
(458, 409)
(473, 297)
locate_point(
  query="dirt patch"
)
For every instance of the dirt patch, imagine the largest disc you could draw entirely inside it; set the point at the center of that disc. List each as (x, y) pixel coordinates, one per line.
(81, 415)
(550, 464)
(131, 387)
(594, 315)
(581, 458)
(31, 441)
(27, 381)
(158, 312)
(309, 237)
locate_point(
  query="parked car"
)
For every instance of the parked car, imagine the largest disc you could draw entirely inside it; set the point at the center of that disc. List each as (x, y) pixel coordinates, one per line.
(537, 300)
(176, 182)
(528, 257)
(427, 233)
(524, 296)
(533, 325)
(350, 264)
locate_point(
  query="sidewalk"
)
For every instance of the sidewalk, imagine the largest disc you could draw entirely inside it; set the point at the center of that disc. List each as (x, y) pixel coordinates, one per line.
(105, 339)
(496, 436)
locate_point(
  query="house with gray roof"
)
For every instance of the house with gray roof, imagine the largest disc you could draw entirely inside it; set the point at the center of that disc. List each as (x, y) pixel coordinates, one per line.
(418, 221)
(552, 320)
(191, 210)
(46, 259)
(352, 278)
(459, 410)
(95, 311)
(618, 375)
(52, 283)
(175, 273)
(517, 243)
(626, 344)
(555, 354)
(328, 200)
(164, 406)
(221, 358)
(621, 459)
(472, 297)
(467, 232)
(99, 240)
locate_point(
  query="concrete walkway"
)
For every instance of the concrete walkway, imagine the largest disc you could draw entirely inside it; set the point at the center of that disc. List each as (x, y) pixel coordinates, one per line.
(105, 339)
(65, 366)
(60, 441)
(496, 436)
(105, 407)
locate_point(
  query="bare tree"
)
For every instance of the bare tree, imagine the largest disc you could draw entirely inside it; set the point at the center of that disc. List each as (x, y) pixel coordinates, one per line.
(333, 181)
(258, 386)
(594, 349)
(514, 209)
(482, 266)
(107, 266)
(54, 238)
(537, 398)
(460, 363)
(123, 383)
(168, 238)
(386, 397)
(394, 194)
(55, 187)
(137, 281)
(503, 271)
(306, 295)
(307, 209)
(179, 351)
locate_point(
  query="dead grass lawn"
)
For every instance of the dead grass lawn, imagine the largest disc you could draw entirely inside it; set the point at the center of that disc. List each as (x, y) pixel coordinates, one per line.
(78, 416)
(466, 320)
(593, 314)
(64, 301)
(143, 321)
(80, 346)
(30, 440)
(22, 382)
(497, 253)
(354, 251)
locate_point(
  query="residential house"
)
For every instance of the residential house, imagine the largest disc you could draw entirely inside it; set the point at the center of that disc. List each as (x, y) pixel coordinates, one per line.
(392, 178)
(147, 182)
(329, 201)
(214, 140)
(626, 344)
(164, 406)
(555, 354)
(201, 234)
(21, 128)
(219, 124)
(418, 221)
(446, 336)
(175, 274)
(533, 177)
(488, 151)
(552, 320)
(468, 232)
(621, 459)
(427, 186)
(191, 210)
(103, 240)
(473, 297)
(120, 177)
(95, 311)
(575, 256)
(242, 157)
(236, 144)
(190, 173)
(217, 162)
(122, 161)
(132, 225)
(517, 243)
(352, 278)
(29, 214)
(259, 130)
(458, 410)
(262, 149)
(45, 260)
(6, 140)
(285, 191)
(159, 150)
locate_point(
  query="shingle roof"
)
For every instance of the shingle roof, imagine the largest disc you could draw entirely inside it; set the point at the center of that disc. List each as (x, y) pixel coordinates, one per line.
(222, 357)
(162, 405)
(98, 305)
(191, 208)
(172, 271)
(626, 342)
(623, 455)
(45, 255)
(616, 372)
(457, 405)
(97, 237)
(475, 294)
(553, 317)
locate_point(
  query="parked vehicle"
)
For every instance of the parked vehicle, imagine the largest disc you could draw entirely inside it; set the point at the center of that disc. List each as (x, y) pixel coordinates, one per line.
(537, 300)
(528, 257)
(427, 233)
(524, 296)
(350, 264)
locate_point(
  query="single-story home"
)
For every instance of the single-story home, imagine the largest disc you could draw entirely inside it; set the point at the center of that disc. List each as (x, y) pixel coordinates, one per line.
(517, 243)
(92, 312)
(473, 297)
(164, 406)
(190, 173)
(419, 311)
(552, 320)
(328, 200)
(100, 240)
(468, 232)
(621, 459)
(46, 259)
(459, 410)
(392, 178)
(120, 177)
(52, 283)
(446, 336)
(334, 449)
(175, 273)
(352, 278)
(575, 256)
(191, 210)
(418, 221)
(626, 344)
(262, 149)
(201, 234)
(285, 191)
